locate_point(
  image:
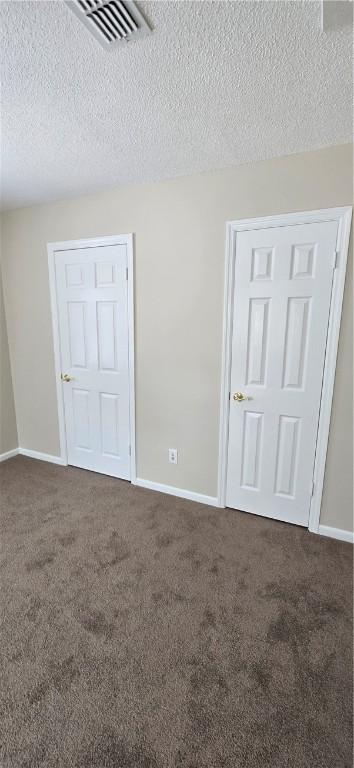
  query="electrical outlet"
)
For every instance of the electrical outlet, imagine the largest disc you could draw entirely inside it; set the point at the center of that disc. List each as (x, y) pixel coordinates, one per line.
(173, 455)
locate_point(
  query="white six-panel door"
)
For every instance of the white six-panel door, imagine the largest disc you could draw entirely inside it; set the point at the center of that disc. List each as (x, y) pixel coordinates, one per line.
(282, 292)
(92, 300)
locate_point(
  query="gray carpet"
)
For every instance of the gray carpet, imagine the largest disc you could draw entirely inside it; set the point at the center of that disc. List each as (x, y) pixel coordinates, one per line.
(143, 631)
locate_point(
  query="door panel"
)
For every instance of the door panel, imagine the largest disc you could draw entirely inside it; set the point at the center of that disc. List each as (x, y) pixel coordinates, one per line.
(303, 261)
(107, 336)
(77, 334)
(262, 263)
(257, 341)
(296, 341)
(287, 456)
(282, 291)
(93, 318)
(81, 414)
(110, 423)
(251, 449)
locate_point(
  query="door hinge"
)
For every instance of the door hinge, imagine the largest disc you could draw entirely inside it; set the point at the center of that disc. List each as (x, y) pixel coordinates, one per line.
(130, 450)
(336, 259)
(126, 273)
(229, 395)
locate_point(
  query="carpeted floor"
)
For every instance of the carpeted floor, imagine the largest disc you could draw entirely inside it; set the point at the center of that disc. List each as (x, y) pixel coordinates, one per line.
(143, 631)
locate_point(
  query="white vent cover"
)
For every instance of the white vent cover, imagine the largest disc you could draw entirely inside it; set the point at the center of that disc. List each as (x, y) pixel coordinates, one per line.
(110, 21)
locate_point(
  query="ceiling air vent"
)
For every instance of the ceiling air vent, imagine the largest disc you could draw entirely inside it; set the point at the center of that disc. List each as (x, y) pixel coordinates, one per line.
(110, 21)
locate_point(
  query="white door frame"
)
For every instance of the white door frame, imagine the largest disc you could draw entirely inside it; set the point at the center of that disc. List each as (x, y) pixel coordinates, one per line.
(343, 216)
(95, 242)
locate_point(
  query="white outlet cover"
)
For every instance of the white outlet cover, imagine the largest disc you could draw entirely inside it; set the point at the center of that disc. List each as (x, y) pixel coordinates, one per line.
(173, 455)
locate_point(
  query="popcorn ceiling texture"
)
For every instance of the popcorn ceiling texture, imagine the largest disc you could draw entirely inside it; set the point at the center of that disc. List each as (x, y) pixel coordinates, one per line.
(216, 84)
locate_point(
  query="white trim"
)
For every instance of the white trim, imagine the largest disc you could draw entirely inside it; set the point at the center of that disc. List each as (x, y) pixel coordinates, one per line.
(42, 456)
(288, 219)
(51, 248)
(343, 216)
(336, 533)
(171, 491)
(344, 219)
(95, 242)
(131, 353)
(225, 367)
(8, 454)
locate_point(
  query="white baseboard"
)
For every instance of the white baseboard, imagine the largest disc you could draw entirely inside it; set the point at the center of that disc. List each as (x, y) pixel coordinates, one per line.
(8, 454)
(323, 530)
(41, 456)
(336, 533)
(183, 494)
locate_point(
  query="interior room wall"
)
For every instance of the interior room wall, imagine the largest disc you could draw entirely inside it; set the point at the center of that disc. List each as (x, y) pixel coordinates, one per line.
(339, 465)
(179, 232)
(8, 428)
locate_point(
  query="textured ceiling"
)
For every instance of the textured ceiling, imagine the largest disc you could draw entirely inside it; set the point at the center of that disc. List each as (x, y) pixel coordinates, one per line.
(216, 84)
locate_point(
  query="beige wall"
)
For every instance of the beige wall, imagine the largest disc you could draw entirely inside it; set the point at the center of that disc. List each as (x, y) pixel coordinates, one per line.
(179, 228)
(8, 429)
(338, 485)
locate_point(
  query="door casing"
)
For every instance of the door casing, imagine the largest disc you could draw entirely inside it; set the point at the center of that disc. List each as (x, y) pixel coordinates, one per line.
(343, 217)
(66, 245)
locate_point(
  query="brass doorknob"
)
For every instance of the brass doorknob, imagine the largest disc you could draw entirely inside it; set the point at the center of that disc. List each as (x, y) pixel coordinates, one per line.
(66, 377)
(239, 396)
